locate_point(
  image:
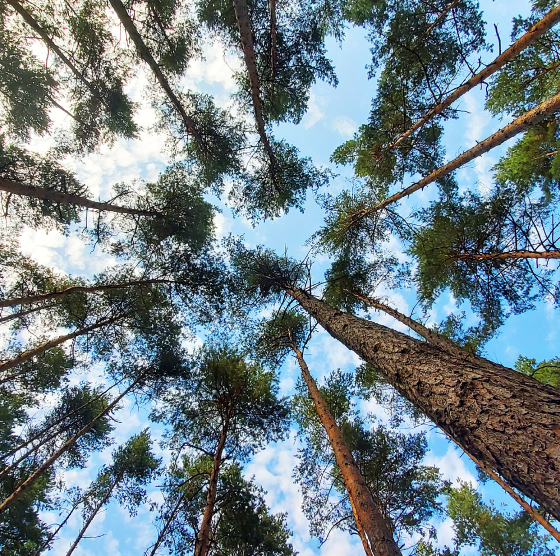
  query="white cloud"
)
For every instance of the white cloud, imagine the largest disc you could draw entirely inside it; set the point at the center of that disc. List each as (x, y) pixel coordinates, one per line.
(452, 466)
(314, 113)
(345, 126)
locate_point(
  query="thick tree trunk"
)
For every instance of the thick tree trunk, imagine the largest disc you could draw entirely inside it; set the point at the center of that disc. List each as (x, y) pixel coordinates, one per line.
(246, 34)
(146, 55)
(95, 511)
(78, 289)
(537, 30)
(47, 464)
(367, 515)
(163, 532)
(34, 24)
(272, 11)
(59, 197)
(202, 545)
(520, 124)
(31, 353)
(508, 255)
(506, 420)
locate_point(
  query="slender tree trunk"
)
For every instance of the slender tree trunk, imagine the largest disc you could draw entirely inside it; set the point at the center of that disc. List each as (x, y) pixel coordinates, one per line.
(537, 30)
(78, 289)
(59, 527)
(203, 540)
(68, 444)
(21, 314)
(377, 529)
(34, 24)
(67, 198)
(508, 255)
(436, 22)
(31, 353)
(246, 35)
(146, 55)
(48, 437)
(520, 124)
(272, 11)
(506, 420)
(163, 532)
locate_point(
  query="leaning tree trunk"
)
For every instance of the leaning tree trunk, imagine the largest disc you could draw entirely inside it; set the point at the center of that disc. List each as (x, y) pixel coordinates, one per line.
(518, 125)
(17, 188)
(272, 13)
(506, 420)
(441, 16)
(146, 55)
(203, 539)
(78, 289)
(369, 519)
(21, 314)
(550, 254)
(91, 517)
(31, 353)
(163, 532)
(536, 31)
(246, 35)
(30, 481)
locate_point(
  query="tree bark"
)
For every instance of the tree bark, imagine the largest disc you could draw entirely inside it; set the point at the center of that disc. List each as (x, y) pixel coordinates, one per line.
(246, 35)
(35, 192)
(47, 464)
(146, 55)
(377, 529)
(34, 24)
(506, 420)
(518, 125)
(31, 353)
(203, 539)
(91, 517)
(508, 255)
(78, 289)
(537, 30)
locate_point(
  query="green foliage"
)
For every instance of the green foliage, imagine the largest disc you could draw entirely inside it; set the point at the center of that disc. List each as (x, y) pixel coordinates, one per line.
(545, 371)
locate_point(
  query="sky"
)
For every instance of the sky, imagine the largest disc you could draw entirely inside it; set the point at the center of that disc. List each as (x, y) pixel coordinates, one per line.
(332, 118)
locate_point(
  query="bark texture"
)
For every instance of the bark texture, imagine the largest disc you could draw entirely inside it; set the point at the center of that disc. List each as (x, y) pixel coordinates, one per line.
(537, 30)
(369, 520)
(146, 55)
(16, 188)
(48, 463)
(506, 420)
(203, 540)
(31, 353)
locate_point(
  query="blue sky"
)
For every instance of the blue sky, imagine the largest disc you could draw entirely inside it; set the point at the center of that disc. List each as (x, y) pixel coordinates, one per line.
(333, 116)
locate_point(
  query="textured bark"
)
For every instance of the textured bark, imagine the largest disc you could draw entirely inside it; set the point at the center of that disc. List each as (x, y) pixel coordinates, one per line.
(31, 353)
(518, 125)
(91, 517)
(369, 519)
(537, 30)
(272, 10)
(146, 55)
(509, 255)
(203, 539)
(49, 462)
(34, 24)
(163, 532)
(506, 420)
(246, 35)
(78, 289)
(59, 197)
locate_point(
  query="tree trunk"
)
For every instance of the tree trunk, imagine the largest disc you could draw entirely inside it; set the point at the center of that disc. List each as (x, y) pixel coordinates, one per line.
(436, 22)
(163, 532)
(203, 540)
(537, 30)
(367, 515)
(47, 464)
(272, 11)
(508, 255)
(31, 353)
(34, 24)
(91, 517)
(518, 125)
(146, 55)
(78, 289)
(14, 316)
(246, 35)
(67, 198)
(506, 420)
